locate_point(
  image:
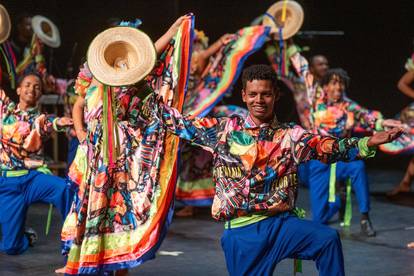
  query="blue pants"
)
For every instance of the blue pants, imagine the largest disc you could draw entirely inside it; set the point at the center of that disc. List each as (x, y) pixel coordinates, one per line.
(16, 195)
(256, 249)
(72, 148)
(318, 178)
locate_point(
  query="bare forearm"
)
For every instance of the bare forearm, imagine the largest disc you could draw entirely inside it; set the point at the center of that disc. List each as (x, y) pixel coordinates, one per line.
(404, 84)
(163, 41)
(77, 114)
(407, 90)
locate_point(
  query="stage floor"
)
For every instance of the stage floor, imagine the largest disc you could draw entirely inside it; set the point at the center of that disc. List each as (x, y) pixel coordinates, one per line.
(192, 246)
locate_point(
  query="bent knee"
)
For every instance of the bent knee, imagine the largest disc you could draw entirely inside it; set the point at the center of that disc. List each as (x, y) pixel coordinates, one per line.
(331, 235)
(14, 250)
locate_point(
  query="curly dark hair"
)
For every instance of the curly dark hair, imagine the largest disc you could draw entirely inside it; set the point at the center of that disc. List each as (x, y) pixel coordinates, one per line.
(338, 72)
(259, 72)
(31, 73)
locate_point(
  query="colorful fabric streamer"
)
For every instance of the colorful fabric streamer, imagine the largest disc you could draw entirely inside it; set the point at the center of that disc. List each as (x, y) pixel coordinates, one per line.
(121, 215)
(224, 71)
(405, 143)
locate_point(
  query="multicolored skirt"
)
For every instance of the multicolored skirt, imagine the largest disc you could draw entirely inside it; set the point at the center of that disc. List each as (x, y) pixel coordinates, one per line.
(405, 143)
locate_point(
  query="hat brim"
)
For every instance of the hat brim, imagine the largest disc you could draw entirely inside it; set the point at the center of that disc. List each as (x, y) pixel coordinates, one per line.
(127, 43)
(51, 41)
(5, 24)
(294, 18)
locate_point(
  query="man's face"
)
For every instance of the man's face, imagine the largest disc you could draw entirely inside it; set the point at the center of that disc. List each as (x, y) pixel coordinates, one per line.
(260, 97)
(319, 66)
(30, 90)
(334, 89)
(25, 30)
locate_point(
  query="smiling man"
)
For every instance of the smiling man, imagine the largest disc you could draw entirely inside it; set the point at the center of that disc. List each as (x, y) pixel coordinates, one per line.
(23, 130)
(255, 163)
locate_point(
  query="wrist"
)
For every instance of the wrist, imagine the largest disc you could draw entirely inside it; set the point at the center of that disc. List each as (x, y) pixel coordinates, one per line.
(57, 127)
(379, 125)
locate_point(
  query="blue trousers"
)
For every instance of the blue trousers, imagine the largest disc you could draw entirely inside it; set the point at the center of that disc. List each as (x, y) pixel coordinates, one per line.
(16, 195)
(72, 148)
(318, 179)
(256, 249)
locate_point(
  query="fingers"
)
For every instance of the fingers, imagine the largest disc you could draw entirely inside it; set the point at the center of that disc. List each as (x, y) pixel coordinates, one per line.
(394, 133)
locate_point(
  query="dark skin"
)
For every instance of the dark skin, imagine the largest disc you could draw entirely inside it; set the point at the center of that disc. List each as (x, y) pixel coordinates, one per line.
(260, 97)
(319, 66)
(29, 92)
(24, 30)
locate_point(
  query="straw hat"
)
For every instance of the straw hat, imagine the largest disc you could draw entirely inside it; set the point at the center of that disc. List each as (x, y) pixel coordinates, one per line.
(5, 24)
(121, 56)
(293, 20)
(46, 31)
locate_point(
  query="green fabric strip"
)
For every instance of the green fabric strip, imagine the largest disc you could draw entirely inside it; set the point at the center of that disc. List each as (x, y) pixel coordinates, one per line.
(348, 206)
(297, 266)
(49, 219)
(244, 221)
(297, 263)
(105, 125)
(332, 183)
(378, 125)
(364, 150)
(199, 184)
(16, 173)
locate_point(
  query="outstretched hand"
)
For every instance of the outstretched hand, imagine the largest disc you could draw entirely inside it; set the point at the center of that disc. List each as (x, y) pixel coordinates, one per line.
(384, 137)
(226, 38)
(64, 122)
(176, 25)
(391, 123)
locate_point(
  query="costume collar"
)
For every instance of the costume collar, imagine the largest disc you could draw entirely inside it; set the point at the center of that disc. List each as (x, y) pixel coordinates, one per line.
(249, 123)
(30, 111)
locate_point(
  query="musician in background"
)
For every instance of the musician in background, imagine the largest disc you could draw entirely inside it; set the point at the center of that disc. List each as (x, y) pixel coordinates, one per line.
(29, 53)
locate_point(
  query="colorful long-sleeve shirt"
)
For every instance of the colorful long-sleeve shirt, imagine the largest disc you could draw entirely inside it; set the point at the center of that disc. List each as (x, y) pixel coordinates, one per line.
(22, 133)
(342, 118)
(255, 166)
(339, 119)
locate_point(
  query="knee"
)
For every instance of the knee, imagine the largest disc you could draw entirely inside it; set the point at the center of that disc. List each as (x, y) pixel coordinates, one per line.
(331, 236)
(358, 167)
(14, 250)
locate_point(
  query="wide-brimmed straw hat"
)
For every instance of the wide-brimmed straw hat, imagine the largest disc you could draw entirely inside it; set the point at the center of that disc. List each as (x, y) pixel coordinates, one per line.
(293, 20)
(46, 31)
(5, 24)
(121, 56)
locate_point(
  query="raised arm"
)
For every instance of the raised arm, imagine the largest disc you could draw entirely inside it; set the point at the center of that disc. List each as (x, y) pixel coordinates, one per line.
(404, 84)
(163, 41)
(4, 101)
(204, 56)
(77, 114)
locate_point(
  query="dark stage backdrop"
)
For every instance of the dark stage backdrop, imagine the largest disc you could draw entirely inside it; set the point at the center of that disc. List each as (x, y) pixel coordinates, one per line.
(377, 41)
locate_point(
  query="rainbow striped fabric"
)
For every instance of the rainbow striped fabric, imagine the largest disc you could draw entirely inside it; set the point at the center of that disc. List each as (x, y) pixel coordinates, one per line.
(405, 143)
(123, 214)
(225, 70)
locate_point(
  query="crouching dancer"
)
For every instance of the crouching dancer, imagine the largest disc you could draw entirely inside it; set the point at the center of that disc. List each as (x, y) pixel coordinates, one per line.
(255, 164)
(22, 132)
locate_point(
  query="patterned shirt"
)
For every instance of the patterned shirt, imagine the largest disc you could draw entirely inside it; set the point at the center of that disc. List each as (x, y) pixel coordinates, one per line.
(22, 133)
(255, 166)
(342, 118)
(339, 119)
